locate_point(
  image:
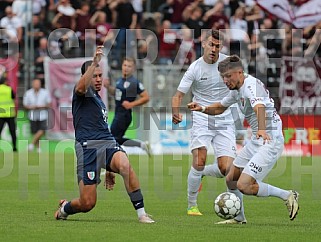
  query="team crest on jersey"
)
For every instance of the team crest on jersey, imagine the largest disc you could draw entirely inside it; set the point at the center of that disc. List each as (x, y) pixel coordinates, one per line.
(126, 84)
(91, 175)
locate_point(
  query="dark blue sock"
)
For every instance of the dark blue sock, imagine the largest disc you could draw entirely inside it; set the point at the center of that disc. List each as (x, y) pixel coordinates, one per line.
(136, 198)
(68, 209)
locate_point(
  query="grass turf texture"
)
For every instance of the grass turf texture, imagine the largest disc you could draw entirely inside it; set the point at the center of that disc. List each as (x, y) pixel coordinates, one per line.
(28, 203)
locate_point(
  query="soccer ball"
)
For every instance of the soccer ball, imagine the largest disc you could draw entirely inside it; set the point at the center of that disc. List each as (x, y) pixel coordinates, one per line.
(227, 205)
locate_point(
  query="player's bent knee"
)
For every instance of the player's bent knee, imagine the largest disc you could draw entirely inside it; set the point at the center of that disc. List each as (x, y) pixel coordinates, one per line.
(87, 206)
(124, 167)
(243, 187)
(229, 178)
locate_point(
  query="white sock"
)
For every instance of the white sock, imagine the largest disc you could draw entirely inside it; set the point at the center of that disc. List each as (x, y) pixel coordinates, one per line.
(266, 190)
(193, 182)
(212, 170)
(241, 216)
(140, 212)
(62, 210)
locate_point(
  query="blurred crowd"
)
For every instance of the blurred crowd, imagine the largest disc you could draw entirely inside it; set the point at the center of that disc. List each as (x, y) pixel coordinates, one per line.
(72, 28)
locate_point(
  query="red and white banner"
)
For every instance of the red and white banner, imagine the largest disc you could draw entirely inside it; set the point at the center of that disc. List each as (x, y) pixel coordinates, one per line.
(300, 109)
(11, 68)
(302, 135)
(60, 78)
(300, 86)
(302, 14)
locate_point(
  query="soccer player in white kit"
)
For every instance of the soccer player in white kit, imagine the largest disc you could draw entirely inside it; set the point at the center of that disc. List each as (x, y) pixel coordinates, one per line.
(260, 154)
(217, 131)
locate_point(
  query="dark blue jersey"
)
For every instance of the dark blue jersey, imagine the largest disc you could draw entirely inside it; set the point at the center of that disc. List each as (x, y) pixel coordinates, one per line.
(127, 90)
(90, 117)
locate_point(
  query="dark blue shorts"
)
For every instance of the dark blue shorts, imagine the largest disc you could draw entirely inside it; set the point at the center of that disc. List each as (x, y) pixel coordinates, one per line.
(92, 156)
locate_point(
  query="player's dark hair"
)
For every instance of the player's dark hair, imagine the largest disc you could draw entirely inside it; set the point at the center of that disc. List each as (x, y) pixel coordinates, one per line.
(130, 59)
(230, 62)
(216, 34)
(85, 66)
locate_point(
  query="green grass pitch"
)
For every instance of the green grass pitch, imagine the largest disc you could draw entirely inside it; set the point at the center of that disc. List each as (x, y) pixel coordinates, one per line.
(31, 185)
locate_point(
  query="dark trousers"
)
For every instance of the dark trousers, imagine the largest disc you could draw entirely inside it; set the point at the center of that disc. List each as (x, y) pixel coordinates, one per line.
(118, 129)
(12, 128)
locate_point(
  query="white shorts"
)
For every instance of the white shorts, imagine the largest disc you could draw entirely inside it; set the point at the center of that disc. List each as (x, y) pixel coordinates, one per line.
(221, 137)
(258, 159)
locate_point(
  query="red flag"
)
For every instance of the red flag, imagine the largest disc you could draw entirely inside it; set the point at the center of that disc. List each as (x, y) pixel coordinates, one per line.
(304, 13)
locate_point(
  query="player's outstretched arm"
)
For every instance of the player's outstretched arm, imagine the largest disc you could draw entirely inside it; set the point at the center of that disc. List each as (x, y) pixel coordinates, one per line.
(85, 80)
(213, 109)
(176, 103)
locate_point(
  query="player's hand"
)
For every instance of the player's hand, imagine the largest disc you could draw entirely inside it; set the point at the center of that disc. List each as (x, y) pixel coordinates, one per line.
(98, 54)
(177, 118)
(109, 180)
(127, 105)
(193, 106)
(262, 134)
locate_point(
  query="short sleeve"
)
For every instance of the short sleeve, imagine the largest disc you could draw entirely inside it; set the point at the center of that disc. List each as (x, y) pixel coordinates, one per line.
(187, 80)
(140, 87)
(255, 95)
(230, 99)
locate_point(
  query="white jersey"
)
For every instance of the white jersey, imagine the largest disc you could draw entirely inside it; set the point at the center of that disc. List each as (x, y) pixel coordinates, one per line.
(251, 93)
(41, 98)
(207, 86)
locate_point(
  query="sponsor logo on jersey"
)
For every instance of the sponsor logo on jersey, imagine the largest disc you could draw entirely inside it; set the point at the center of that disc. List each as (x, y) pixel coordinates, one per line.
(203, 78)
(254, 100)
(255, 168)
(91, 175)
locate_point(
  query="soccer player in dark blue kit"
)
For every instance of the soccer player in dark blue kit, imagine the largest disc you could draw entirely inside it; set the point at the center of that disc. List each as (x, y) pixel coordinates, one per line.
(96, 147)
(126, 91)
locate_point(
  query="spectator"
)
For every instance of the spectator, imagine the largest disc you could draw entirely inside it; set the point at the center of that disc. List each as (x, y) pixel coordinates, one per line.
(7, 109)
(238, 33)
(40, 53)
(167, 44)
(138, 7)
(99, 22)
(38, 8)
(65, 16)
(193, 19)
(178, 8)
(166, 9)
(103, 5)
(3, 5)
(254, 18)
(82, 18)
(37, 101)
(314, 41)
(39, 30)
(186, 54)
(126, 19)
(216, 18)
(12, 26)
(20, 8)
(293, 43)
(51, 10)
